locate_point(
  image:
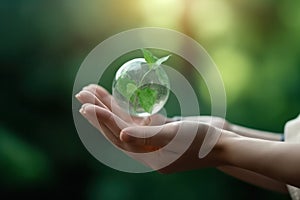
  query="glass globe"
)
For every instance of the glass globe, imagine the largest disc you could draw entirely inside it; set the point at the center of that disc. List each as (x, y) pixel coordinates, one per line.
(141, 89)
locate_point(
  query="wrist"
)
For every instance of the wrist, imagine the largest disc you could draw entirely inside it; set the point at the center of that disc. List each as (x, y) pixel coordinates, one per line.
(222, 146)
(230, 127)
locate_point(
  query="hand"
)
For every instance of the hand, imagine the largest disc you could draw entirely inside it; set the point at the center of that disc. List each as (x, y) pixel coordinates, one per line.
(136, 139)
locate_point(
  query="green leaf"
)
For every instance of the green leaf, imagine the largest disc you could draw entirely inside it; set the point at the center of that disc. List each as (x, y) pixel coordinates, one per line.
(162, 60)
(130, 88)
(149, 57)
(146, 98)
(126, 86)
(162, 76)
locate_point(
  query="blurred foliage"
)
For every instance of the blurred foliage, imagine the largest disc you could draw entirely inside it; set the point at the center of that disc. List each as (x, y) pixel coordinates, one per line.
(255, 44)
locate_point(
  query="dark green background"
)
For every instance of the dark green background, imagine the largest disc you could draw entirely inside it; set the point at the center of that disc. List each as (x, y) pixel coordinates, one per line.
(255, 44)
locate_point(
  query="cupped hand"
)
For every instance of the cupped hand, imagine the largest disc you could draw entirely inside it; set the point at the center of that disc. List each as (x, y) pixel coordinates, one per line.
(166, 147)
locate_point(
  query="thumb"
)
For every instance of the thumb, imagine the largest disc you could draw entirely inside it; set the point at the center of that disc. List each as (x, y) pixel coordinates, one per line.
(157, 136)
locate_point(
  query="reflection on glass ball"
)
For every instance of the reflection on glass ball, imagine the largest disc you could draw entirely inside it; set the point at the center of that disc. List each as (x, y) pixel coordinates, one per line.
(141, 89)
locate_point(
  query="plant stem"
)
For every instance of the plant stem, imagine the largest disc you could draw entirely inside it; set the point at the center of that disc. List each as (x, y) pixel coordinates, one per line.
(144, 76)
(139, 85)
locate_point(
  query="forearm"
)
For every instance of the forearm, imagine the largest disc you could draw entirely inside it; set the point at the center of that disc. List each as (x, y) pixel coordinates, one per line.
(254, 178)
(277, 160)
(240, 130)
(247, 132)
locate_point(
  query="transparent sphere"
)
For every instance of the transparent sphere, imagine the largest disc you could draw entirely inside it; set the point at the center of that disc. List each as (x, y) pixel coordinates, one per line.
(141, 89)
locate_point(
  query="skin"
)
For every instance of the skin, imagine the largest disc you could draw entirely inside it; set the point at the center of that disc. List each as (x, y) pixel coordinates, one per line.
(257, 157)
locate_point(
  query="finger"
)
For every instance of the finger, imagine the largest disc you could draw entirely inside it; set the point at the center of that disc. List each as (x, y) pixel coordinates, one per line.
(112, 121)
(157, 119)
(109, 127)
(108, 100)
(91, 117)
(110, 136)
(88, 97)
(157, 136)
(90, 114)
(100, 93)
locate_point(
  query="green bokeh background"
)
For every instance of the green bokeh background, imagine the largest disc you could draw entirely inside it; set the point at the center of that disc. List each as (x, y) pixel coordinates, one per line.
(255, 44)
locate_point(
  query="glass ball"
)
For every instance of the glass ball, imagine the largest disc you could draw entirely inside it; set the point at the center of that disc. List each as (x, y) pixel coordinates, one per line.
(141, 89)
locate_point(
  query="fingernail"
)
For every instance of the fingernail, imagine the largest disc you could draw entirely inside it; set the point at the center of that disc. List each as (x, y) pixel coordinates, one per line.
(146, 121)
(77, 95)
(125, 137)
(88, 86)
(82, 109)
